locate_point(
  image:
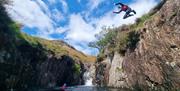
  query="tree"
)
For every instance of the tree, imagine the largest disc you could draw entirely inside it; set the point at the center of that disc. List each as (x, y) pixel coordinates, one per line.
(107, 35)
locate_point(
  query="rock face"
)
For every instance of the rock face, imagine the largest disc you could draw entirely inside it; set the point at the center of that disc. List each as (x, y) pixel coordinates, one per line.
(57, 71)
(116, 68)
(102, 72)
(154, 63)
(29, 62)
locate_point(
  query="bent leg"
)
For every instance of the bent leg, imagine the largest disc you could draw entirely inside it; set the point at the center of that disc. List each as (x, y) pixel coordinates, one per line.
(134, 11)
(125, 16)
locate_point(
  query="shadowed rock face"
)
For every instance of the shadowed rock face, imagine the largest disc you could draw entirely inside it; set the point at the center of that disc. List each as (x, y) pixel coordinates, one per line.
(24, 66)
(57, 71)
(155, 62)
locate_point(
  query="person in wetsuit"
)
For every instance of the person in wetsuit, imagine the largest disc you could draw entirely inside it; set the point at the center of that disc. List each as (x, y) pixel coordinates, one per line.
(126, 9)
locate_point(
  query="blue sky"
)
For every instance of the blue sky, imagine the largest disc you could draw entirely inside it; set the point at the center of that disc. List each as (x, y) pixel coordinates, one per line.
(74, 21)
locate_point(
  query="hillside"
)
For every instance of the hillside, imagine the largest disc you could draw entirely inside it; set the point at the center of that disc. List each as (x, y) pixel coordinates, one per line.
(144, 56)
(27, 62)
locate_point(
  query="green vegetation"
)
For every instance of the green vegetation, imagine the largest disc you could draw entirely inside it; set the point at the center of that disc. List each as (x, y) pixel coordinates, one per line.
(56, 47)
(18, 35)
(127, 40)
(140, 22)
(16, 28)
(119, 69)
(77, 68)
(48, 45)
(104, 38)
(122, 41)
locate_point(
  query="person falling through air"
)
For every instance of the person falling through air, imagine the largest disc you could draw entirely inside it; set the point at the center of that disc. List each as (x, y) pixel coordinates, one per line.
(126, 9)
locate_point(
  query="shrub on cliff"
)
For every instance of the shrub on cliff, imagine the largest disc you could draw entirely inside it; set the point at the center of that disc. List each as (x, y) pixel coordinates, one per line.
(115, 39)
(77, 68)
(105, 37)
(140, 21)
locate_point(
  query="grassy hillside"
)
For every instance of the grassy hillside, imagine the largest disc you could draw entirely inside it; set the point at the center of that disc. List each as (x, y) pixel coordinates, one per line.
(57, 47)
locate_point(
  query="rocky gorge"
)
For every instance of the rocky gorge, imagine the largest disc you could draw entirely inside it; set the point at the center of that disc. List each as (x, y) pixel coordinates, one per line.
(144, 56)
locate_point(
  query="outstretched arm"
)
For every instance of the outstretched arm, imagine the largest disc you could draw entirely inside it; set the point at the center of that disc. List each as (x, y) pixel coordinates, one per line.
(119, 4)
(117, 12)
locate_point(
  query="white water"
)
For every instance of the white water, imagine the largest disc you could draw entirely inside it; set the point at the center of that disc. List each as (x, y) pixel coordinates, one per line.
(88, 79)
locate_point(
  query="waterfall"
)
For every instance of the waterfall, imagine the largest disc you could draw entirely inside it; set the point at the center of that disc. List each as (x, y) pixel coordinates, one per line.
(88, 79)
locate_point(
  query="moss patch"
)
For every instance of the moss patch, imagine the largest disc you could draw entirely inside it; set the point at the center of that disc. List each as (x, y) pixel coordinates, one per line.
(119, 69)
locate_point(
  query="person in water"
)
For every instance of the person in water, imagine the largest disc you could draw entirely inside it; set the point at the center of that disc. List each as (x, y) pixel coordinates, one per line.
(63, 87)
(126, 9)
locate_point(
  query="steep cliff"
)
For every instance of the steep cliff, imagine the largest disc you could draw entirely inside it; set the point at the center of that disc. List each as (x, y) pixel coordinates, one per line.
(149, 56)
(27, 62)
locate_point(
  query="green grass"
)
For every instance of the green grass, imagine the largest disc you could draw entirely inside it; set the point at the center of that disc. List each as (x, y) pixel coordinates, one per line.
(18, 35)
(140, 21)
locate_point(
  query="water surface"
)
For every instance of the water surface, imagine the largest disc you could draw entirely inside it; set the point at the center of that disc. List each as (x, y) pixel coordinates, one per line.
(78, 88)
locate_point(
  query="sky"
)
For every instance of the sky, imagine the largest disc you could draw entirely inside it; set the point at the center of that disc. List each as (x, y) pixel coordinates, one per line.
(74, 21)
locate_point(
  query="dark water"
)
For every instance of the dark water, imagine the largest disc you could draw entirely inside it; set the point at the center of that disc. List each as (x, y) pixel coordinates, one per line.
(78, 88)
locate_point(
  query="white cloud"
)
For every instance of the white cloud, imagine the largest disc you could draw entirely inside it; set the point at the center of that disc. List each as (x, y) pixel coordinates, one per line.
(110, 19)
(65, 6)
(140, 6)
(79, 29)
(52, 1)
(57, 15)
(83, 47)
(61, 30)
(62, 2)
(43, 6)
(36, 14)
(93, 4)
(31, 15)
